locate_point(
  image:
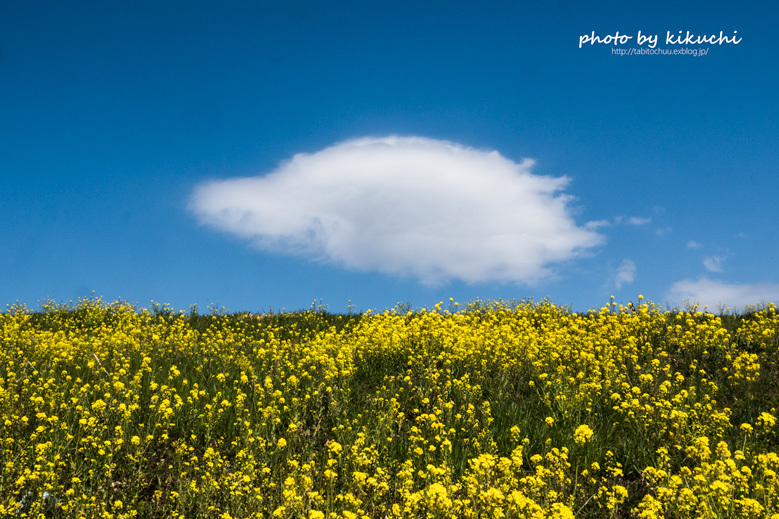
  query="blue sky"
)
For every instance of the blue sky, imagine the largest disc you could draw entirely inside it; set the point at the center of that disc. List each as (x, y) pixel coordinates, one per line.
(268, 155)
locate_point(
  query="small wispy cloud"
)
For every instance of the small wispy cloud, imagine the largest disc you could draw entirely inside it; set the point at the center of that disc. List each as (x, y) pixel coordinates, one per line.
(431, 209)
(626, 273)
(597, 224)
(692, 244)
(713, 263)
(618, 220)
(717, 294)
(631, 220)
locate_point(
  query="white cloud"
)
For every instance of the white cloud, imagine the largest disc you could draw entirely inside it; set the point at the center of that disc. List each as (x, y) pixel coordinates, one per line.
(626, 273)
(713, 263)
(596, 224)
(715, 294)
(414, 206)
(619, 220)
(692, 244)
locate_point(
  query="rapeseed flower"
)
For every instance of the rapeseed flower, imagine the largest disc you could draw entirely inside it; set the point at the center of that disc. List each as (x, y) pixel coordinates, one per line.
(582, 434)
(465, 412)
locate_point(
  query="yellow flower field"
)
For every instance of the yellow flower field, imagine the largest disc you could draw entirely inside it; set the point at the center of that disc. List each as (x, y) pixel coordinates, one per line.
(494, 410)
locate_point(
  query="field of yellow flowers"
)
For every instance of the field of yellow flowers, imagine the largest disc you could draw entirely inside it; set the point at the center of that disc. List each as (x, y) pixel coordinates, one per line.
(494, 410)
